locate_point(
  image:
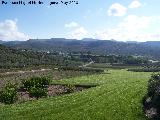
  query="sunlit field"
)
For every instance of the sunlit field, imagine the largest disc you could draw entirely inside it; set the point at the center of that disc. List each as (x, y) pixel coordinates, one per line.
(117, 96)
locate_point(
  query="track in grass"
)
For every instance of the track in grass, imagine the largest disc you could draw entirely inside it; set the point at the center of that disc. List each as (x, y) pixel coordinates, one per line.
(118, 97)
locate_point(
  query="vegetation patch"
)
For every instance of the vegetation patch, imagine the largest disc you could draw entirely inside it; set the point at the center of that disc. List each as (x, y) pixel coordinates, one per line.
(51, 90)
(56, 75)
(86, 69)
(112, 66)
(35, 88)
(9, 94)
(151, 100)
(145, 69)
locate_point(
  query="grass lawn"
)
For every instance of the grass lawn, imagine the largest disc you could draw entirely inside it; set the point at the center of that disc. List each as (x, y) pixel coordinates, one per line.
(118, 97)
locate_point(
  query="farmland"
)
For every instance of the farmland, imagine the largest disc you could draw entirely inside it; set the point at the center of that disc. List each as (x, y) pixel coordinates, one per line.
(118, 96)
(79, 60)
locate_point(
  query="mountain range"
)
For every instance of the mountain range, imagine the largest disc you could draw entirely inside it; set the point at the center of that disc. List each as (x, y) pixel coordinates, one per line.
(94, 46)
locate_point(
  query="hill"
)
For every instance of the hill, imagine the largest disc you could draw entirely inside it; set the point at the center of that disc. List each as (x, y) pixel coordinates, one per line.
(22, 58)
(95, 46)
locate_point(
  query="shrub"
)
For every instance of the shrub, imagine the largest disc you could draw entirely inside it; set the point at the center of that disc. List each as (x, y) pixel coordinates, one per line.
(38, 82)
(9, 94)
(70, 88)
(36, 86)
(154, 84)
(153, 94)
(37, 92)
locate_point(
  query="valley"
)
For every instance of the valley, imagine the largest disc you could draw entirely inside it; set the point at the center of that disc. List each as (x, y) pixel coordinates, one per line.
(116, 83)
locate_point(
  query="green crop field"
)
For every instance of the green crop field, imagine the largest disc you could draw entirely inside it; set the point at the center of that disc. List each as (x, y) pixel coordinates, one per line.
(117, 97)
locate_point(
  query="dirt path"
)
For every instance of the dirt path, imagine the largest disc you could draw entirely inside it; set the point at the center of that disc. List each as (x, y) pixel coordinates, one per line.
(85, 65)
(29, 71)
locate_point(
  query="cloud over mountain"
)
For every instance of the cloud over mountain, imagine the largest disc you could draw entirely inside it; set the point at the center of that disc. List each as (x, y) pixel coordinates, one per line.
(9, 31)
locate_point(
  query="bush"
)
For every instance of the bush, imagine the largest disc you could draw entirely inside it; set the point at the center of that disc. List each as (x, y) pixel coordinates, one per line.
(38, 82)
(9, 94)
(37, 92)
(37, 86)
(70, 88)
(153, 94)
(154, 84)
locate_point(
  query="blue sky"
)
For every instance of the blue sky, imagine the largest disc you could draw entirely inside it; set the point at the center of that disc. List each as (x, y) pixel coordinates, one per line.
(123, 20)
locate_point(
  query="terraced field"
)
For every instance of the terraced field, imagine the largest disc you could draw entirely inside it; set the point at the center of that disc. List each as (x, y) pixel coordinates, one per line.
(117, 97)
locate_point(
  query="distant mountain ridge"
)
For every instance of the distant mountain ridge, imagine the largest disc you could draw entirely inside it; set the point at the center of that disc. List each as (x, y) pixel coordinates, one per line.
(151, 49)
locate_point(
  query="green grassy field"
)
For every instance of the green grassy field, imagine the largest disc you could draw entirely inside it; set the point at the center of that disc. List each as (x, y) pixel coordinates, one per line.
(118, 97)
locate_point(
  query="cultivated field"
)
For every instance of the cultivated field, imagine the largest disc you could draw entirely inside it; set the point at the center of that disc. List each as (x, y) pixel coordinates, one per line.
(117, 97)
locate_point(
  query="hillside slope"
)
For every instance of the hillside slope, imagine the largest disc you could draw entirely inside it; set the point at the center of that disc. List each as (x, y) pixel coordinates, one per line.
(20, 58)
(118, 97)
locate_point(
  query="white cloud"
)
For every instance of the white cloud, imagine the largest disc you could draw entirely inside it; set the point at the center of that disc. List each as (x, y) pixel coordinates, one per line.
(132, 28)
(9, 31)
(72, 25)
(117, 9)
(134, 23)
(78, 33)
(135, 4)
